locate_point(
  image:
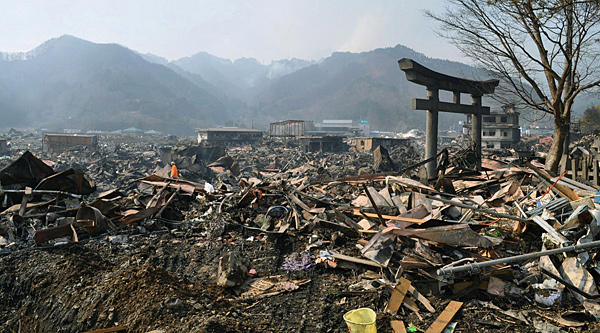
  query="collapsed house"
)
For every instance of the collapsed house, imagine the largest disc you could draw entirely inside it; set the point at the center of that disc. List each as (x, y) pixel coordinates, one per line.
(324, 144)
(56, 143)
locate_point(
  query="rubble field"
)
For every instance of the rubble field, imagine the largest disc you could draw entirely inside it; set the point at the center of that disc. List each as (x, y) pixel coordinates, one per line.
(270, 238)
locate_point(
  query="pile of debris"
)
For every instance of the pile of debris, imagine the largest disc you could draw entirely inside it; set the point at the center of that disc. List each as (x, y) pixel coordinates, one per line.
(272, 238)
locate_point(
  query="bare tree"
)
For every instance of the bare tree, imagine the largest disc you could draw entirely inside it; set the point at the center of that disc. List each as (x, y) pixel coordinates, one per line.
(545, 52)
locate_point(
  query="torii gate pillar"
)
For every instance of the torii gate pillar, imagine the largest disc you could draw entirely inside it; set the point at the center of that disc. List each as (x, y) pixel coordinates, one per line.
(435, 82)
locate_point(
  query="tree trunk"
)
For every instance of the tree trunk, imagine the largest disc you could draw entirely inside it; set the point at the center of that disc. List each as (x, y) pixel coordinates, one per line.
(561, 130)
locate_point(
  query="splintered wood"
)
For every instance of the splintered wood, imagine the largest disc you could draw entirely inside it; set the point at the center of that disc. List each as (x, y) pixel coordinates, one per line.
(398, 295)
(398, 326)
(444, 318)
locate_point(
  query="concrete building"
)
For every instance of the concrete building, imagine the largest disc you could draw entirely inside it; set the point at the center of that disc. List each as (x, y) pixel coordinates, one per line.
(340, 127)
(229, 136)
(3, 146)
(500, 129)
(370, 143)
(288, 128)
(60, 142)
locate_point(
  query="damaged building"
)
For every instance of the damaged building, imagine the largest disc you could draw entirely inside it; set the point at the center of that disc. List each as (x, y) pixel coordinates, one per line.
(370, 143)
(324, 144)
(288, 128)
(229, 136)
(3, 146)
(340, 127)
(500, 128)
(54, 143)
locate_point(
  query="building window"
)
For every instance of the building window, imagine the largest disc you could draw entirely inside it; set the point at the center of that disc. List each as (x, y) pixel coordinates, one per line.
(489, 119)
(504, 133)
(503, 119)
(492, 133)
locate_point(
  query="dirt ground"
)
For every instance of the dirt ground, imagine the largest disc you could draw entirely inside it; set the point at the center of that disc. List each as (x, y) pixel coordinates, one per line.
(165, 281)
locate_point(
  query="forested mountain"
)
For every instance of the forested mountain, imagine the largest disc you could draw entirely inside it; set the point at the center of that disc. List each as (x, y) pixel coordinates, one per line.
(72, 83)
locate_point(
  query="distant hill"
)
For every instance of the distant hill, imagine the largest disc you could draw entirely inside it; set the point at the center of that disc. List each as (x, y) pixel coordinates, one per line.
(240, 79)
(357, 85)
(72, 83)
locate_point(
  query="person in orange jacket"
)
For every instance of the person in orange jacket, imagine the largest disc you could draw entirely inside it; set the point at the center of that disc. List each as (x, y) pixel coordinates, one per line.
(174, 172)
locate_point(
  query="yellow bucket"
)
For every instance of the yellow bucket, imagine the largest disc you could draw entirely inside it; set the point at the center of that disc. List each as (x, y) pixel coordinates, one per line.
(361, 321)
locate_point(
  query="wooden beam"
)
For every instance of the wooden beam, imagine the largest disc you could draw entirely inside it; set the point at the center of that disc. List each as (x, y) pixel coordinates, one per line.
(398, 326)
(355, 260)
(444, 318)
(398, 295)
(424, 104)
(357, 212)
(422, 75)
(109, 330)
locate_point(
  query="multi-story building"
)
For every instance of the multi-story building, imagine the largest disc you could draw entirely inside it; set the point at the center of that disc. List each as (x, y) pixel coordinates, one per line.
(500, 129)
(3, 146)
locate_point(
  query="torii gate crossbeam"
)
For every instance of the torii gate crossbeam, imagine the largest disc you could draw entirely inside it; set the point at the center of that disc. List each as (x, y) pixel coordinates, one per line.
(434, 82)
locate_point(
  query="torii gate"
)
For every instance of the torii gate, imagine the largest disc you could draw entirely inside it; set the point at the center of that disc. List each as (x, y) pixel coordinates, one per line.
(434, 82)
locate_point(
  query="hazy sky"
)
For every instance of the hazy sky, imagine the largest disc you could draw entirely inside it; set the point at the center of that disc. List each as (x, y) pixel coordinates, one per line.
(266, 30)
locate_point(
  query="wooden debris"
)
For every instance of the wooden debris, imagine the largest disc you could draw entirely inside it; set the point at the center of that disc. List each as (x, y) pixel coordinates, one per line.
(398, 295)
(444, 318)
(109, 330)
(398, 326)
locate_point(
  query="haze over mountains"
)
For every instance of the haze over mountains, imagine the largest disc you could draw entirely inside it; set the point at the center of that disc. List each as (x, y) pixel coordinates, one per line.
(68, 82)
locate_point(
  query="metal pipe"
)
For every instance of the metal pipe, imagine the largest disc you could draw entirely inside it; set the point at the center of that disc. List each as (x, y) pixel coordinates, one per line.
(476, 268)
(42, 192)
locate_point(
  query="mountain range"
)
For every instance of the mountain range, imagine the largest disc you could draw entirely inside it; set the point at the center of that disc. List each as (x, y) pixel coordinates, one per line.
(68, 82)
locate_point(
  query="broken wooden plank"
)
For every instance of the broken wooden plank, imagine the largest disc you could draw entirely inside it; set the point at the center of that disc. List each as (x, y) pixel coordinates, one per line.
(444, 318)
(398, 326)
(481, 210)
(25, 199)
(298, 202)
(398, 295)
(162, 209)
(389, 217)
(355, 260)
(422, 299)
(410, 304)
(109, 330)
(453, 235)
(347, 220)
(381, 220)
